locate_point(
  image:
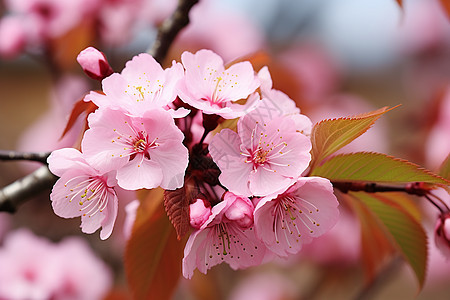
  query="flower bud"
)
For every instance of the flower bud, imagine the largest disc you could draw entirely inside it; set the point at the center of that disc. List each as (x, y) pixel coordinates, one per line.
(442, 234)
(241, 211)
(94, 63)
(199, 212)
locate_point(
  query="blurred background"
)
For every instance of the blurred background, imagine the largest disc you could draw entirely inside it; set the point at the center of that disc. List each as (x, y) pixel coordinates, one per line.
(333, 57)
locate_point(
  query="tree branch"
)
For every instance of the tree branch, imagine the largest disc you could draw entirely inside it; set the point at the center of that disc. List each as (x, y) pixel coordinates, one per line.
(170, 28)
(33, 156)
(11, 196)
(416, 188)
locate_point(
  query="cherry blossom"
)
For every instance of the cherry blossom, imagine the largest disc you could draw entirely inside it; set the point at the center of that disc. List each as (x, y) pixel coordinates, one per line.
(208, 86)
(35, 268)
(227, 236)
(306, 210)
(146, 151)
(83, 191)
(260, 159)
(143, 85)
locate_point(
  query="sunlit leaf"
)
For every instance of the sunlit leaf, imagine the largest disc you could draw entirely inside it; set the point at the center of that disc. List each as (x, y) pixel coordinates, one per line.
(153, 254)
(330, 135)
(376, 247)
(408, 235)
(375, 167)
(444, 170)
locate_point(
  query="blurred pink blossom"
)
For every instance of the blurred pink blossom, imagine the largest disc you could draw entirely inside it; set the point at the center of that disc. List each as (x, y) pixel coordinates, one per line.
(12, 37)
(228, 33)
(35, 268)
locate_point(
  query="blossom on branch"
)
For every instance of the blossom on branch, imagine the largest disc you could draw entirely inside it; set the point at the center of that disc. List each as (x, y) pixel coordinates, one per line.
(208, 86)
(83, 191)
(143, 85)
(227, 236)
(146, 151)
(307, 210)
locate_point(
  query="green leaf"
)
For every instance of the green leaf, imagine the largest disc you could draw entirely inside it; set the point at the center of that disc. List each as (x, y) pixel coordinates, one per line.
(153, 254)
(408, 235)
(330, 135)
(444, 170)
(375, 167)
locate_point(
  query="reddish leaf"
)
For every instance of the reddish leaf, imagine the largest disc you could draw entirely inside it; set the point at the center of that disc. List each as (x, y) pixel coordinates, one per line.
(376, 248)
(153, 254)
(405, 232)
(330, 135)
(80, 107)
(400, 3)
(446, 6)
(177, 207)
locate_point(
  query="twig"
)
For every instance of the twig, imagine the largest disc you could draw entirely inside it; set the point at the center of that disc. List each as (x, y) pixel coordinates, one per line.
(11, 196)
(416, 188)
(33, 156)
(170, 28)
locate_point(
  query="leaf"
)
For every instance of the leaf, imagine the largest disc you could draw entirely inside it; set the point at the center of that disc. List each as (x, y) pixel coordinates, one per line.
(408, 235)
(446, 6)
(153, 254)
(376, 248)
(400, 3)
(330, 135)
(444, 170)
(375, 167)
(176, 204)
(80, 107)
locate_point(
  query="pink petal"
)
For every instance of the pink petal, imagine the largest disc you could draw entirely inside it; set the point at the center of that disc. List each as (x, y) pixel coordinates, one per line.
(140, 173)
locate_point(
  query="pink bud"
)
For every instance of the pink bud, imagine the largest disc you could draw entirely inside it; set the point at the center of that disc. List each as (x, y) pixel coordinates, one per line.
(199, 213)
(442, 234)
(241, 211)
(12, 37)
(94, 63)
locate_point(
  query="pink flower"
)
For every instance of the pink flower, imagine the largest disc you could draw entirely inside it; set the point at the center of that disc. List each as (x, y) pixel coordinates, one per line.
(442, 234)
(146, 151)
(199, 213)
(260, 159)
(12, 37)
(308, 209)
(131, 211)
(94, 63)
(208, 86)
(142, 86)
(83, 191)
(221, 239)
(35, 268)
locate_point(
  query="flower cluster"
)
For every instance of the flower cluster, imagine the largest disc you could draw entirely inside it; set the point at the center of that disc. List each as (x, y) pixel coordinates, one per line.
(155, 127)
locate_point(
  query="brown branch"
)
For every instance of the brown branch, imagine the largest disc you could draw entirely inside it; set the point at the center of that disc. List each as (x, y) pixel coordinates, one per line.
(11, 196)
(416, 188)
(170, 28)
(33, 156)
